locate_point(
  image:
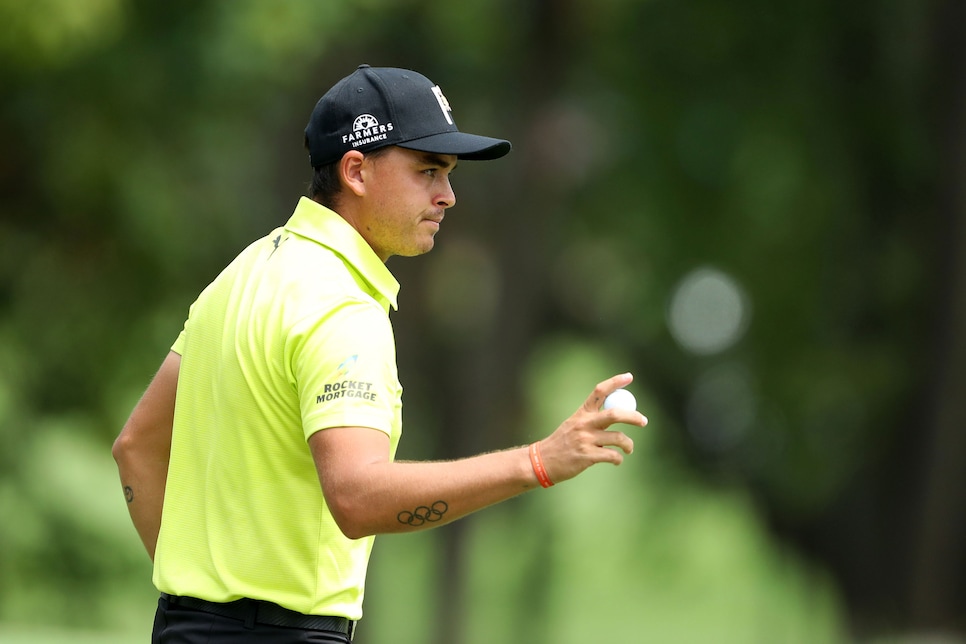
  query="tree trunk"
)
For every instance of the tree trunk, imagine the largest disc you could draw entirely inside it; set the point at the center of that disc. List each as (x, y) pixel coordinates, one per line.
(483, 378)
(939, 537)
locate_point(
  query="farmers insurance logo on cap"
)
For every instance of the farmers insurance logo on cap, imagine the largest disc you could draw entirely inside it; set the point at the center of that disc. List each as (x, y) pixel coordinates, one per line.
(366, 129)
(374, 107)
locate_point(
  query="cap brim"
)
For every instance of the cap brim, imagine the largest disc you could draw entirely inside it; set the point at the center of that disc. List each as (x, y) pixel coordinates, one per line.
(472, 147)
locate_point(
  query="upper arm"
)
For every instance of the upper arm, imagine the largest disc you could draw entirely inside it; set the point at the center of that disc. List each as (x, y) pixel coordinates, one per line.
(343, 457)
(342, 453)
(148, 429)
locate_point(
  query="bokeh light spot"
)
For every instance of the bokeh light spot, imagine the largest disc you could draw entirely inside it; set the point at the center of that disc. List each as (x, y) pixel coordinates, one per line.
(708, 311)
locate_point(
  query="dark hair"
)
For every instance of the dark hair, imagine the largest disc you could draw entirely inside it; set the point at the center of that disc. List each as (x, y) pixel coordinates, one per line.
(326, 186)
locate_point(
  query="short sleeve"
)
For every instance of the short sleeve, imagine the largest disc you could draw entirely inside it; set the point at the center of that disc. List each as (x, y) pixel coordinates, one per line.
(343, 364)
(178, 346)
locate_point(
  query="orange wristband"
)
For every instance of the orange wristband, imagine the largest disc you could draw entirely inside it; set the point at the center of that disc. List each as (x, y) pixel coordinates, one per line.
(538, 467)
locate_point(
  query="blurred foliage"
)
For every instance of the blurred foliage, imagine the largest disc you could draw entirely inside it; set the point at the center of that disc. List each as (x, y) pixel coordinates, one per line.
(769, 170)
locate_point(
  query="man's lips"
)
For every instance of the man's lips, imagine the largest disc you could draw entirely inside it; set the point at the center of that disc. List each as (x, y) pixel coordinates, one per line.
(434, 219)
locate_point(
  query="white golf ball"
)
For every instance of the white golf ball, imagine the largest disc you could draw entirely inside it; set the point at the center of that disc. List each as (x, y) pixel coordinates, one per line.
(621, 399)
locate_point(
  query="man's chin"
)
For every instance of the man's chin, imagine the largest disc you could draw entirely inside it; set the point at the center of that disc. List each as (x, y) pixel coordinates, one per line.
(416, 251)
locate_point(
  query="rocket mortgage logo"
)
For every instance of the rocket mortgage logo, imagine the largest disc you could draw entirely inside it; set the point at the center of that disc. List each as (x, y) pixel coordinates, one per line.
(345, 387)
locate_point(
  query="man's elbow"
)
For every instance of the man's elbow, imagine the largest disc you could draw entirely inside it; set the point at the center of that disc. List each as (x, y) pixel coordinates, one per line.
(122, 448)
(355, 532)
(132, 449)
(351, 516)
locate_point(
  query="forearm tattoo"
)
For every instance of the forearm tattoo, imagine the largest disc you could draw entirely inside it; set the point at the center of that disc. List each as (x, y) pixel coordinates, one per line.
(128, 493)
(423, 514)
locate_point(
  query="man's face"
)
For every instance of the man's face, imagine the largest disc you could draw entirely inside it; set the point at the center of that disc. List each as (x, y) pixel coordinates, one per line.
(407, 193)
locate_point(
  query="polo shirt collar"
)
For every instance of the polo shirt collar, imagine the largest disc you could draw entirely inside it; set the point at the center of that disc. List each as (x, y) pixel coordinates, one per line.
(328, 228)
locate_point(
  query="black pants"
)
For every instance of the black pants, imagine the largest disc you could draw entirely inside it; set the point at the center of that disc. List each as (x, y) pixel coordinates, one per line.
(181, 625)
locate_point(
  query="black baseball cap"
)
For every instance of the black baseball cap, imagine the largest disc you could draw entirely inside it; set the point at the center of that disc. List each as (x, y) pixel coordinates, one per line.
(374, 107)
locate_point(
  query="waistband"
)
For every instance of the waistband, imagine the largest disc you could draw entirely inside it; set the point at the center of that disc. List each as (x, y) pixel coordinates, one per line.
(252, 611)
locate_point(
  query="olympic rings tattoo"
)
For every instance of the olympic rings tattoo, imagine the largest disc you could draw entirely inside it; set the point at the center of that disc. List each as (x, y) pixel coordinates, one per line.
(423, 514)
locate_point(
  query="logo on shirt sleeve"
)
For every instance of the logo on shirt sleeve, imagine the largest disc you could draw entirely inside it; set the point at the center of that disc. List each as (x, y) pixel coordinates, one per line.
(346, 367)
(344, 387)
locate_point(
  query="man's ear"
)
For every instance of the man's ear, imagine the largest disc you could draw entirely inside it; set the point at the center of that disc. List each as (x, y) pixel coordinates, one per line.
(350, 172)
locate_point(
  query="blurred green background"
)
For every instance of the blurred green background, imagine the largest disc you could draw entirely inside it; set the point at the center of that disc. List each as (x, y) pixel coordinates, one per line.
(755, 207)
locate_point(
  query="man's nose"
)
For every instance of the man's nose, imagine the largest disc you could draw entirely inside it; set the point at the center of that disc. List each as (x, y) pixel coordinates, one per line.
(447, 198)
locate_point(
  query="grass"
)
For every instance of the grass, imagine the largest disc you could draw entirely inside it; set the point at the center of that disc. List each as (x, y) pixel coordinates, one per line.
(28, 635)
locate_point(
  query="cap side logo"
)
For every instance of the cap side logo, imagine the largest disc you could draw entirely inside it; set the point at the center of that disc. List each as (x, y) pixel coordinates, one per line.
(366, 129)
(443, 104)
(364, 121)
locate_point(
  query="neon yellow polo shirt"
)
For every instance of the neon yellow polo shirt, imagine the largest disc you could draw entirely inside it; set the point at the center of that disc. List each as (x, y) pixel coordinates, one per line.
(291, 338)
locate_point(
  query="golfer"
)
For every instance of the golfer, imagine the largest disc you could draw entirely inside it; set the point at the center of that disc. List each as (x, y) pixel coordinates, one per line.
(258, 465)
